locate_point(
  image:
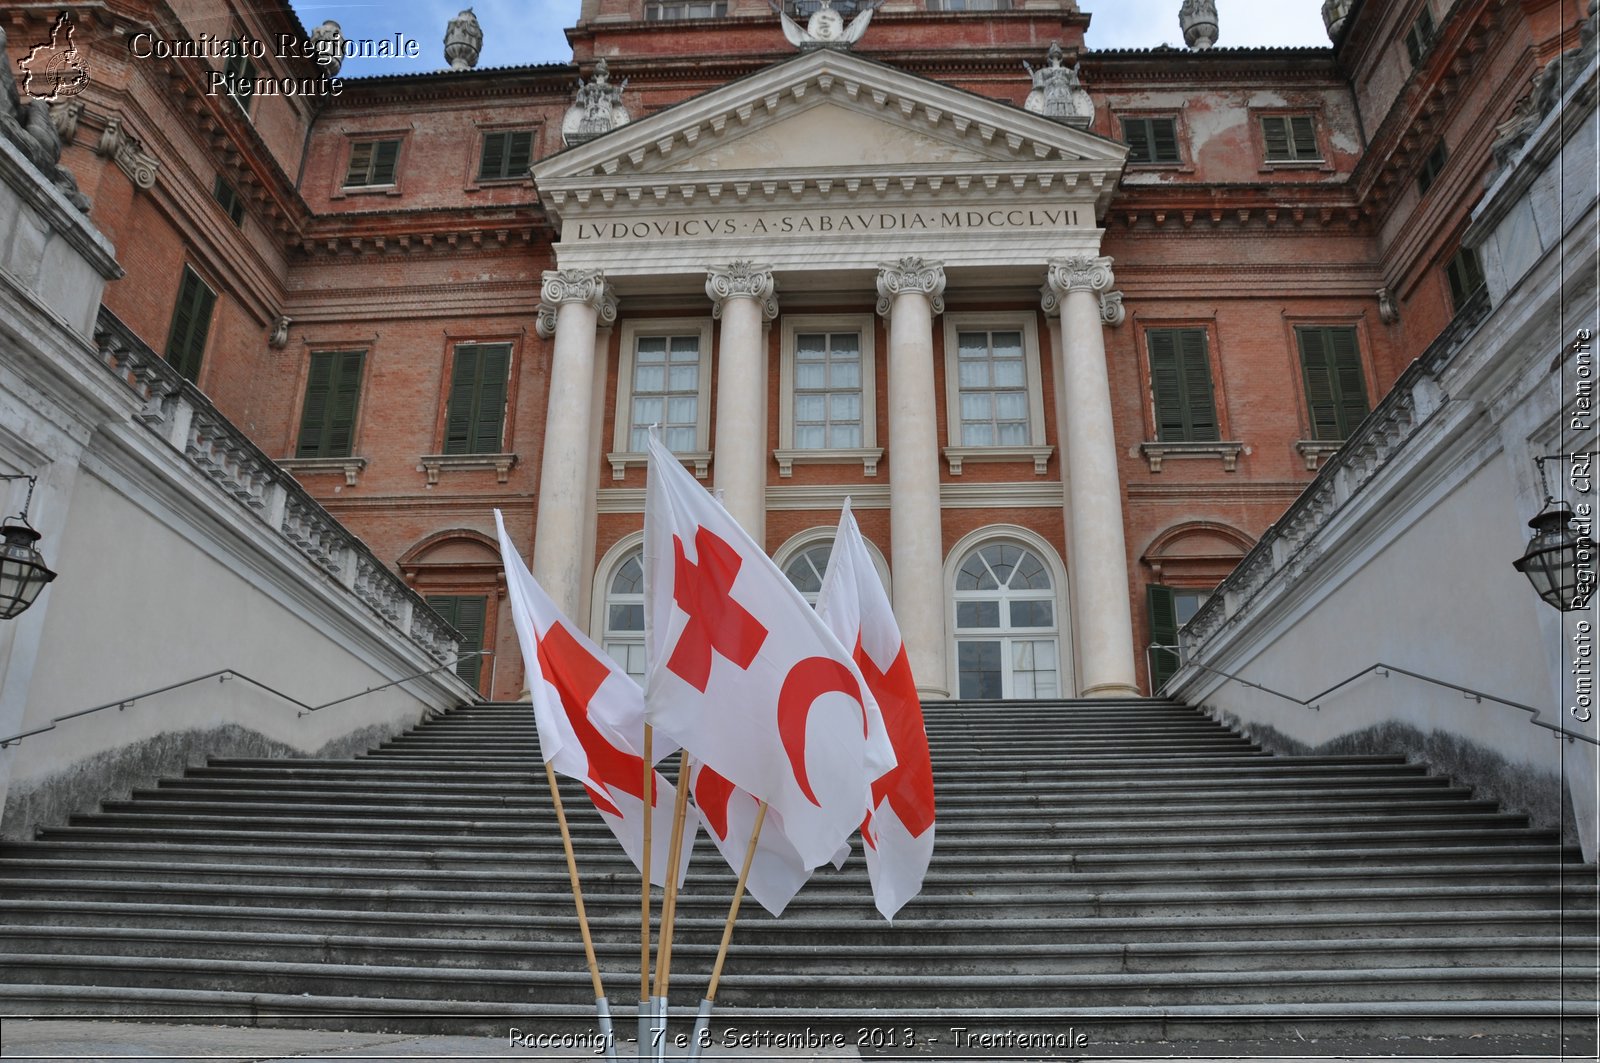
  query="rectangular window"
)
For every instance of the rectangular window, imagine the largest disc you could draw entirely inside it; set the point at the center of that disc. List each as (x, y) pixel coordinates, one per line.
(969, 5)
(827, 390)
(1336, 396)
(191, 323)
(1431, 167)
(466, 613)
(671, 10)
(1465, 274)
(1151, 139)
(328, 419)
(1419, 38)
(993, 381)
(372, 162)
(666, 392)
(475, 420)
(240, 74)
(231, 204)
(506, 155)
(1180, 381)
(1290, 138)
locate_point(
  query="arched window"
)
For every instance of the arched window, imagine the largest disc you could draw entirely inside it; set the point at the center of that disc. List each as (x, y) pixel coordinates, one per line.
(805, 570)
(624, 618)
(1007, 639)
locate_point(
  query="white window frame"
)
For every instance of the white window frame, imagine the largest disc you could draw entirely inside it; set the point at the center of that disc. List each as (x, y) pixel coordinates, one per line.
(622, 457)
(869, 453)
(600, 582)
(1016, 535)
(802, 541)
(1036, 449)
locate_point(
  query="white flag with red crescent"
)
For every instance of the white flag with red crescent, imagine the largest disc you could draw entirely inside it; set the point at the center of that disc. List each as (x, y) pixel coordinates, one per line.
(898, 831)
(579, 696)
(743, 673)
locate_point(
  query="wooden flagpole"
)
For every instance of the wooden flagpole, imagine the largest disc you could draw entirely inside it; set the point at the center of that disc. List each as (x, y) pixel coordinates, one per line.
(645, 1006)
(601, 1005)
(703, 1020)
(669, 904)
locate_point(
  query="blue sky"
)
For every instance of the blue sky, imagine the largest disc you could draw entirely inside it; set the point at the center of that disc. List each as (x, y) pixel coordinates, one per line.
(531, 31)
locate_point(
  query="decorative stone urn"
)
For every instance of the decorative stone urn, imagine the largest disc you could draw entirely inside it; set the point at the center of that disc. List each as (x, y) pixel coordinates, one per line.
(463, 41)
(1199, 21)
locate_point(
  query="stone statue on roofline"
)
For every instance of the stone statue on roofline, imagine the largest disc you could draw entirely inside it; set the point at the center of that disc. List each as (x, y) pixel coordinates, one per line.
(31, 127)
(1198, 19)
(596, 109)
(1057, 91)
(825, 28)
(327, 46)
(463, 41)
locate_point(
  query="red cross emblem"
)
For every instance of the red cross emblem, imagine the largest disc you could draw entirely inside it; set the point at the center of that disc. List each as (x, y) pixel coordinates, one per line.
(577, 675)
(716, 621)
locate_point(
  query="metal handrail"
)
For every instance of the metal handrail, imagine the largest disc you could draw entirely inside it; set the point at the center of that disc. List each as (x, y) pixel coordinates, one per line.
(222, 676)
(1383, 669)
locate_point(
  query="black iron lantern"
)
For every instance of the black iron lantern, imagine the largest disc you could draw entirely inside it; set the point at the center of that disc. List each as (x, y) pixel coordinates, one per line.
(1556, 555)
(23, 572)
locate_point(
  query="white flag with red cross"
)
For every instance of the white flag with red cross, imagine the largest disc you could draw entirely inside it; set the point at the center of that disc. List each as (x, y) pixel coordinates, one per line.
(590, 716)
(743, 673)
(898, 831)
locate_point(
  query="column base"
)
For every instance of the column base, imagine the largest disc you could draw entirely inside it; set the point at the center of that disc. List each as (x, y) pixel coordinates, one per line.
(1112, 690)
(934, 693)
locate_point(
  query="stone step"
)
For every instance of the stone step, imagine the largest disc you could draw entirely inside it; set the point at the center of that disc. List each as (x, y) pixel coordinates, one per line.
(908, 957)
(828, 990)
(602, 894)
(546, 839)
(1086, 829)
(797, 929)
(945, 876)
(995, 853)
(1065, 811)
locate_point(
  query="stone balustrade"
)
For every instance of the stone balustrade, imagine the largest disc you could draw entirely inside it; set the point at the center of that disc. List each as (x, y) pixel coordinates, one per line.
(180, 414)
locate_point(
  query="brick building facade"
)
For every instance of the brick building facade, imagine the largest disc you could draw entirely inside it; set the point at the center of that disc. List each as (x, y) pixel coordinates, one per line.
(872, 272)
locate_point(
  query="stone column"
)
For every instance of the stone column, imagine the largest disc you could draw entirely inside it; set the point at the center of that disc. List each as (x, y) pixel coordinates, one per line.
(741, 296)
(909, 293)
(1103, 625)
(572, 303)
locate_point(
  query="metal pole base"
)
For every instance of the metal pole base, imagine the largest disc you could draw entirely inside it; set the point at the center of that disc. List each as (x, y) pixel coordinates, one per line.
(658, 1029)
(702, 1029)
(646, 1020)
(602, 1008)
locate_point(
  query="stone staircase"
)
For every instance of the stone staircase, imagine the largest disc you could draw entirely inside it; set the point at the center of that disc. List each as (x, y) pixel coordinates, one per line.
(1127, 868)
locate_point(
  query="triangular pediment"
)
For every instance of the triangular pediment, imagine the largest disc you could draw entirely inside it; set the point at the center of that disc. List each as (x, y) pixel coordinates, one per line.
(831, 120)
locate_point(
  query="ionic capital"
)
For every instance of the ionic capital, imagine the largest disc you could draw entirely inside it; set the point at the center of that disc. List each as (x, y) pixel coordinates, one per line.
(1080, 274)
(910, 275)
(741, 280)
(573, 286)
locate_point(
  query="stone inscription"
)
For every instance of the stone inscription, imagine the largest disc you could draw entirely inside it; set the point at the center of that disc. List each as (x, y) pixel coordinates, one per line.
(817, 223)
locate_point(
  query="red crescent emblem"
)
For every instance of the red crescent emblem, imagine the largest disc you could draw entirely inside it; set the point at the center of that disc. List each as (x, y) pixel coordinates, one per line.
(805, 683)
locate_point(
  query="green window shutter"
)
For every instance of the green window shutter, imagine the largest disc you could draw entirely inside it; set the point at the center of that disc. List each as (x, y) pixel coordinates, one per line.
(1163, 632)
(191, 323)
(519, 153)
(490, 415)
(1336, 394)
(1180, 382)
(1304, 133)
(314, 414)
(1275, 131)
(384, 157)
(1136, 133)
(328, 419)
(228, 199)
(494, 156)
(360, 163)
(465, 613)
(463, 389)
(1465, 274)
(1164, 140)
